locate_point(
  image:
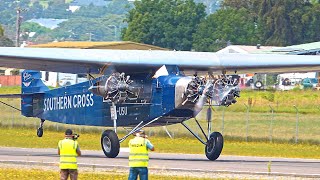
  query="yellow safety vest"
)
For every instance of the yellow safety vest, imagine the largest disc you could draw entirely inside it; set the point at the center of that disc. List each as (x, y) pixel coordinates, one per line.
(68, 154)
(138, 156)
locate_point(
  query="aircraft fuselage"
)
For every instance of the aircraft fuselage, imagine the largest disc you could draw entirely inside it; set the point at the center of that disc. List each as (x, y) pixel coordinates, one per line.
(76, 105)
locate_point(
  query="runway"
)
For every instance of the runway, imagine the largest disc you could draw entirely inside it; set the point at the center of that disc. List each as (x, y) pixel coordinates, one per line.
(188, 163)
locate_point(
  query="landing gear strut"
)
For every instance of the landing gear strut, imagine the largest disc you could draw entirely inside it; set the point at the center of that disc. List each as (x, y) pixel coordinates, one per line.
(213, 143)
(40, 129)
(110, 143)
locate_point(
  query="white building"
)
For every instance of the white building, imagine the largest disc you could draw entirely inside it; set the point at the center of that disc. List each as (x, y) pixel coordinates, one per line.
(55, 79)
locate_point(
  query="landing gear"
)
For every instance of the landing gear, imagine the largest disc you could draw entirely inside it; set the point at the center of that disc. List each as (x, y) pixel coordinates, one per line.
(213, 143)
(40, 132)
(214, 146)
(40, 129)
(110, 143)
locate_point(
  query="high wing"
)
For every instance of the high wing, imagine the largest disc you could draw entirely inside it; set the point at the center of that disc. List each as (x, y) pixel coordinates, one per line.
(95, 60)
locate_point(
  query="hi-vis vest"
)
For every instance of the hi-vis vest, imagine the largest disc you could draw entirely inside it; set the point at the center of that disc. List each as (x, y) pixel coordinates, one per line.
(68, 154)
(138, 156)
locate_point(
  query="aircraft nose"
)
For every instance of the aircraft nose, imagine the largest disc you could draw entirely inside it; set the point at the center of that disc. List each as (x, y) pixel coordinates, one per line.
(93, 89)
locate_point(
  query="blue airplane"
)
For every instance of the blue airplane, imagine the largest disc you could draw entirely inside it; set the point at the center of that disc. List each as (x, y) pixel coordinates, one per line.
(136, 88)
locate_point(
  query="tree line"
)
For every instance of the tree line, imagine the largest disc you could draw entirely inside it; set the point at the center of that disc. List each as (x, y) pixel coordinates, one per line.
(173, 24)
(95, 23)
(184, 25)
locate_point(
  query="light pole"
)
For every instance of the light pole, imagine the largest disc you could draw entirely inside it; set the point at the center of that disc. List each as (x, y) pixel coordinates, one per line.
(90, 36)
(18, 24)
(115, 31)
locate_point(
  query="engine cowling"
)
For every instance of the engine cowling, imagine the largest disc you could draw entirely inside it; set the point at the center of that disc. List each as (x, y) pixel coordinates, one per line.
(117, 88)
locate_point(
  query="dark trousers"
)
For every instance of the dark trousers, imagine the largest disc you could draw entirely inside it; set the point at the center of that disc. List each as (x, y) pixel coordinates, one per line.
(64, 174)
(141, 171)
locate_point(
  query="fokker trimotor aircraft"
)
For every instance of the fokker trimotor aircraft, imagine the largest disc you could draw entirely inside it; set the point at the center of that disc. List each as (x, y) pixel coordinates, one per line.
(136, 88)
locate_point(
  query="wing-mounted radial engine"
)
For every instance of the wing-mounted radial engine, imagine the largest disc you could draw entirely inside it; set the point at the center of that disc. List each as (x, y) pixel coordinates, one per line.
(117, 88)
(195, 89)
(217, 90)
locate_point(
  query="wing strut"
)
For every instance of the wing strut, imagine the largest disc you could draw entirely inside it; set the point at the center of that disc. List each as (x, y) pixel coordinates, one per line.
(10, 106)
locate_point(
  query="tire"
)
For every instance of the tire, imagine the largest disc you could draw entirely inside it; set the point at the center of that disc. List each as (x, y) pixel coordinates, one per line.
(214, 146)
(40, 132)
(258, 84)
(110, 143)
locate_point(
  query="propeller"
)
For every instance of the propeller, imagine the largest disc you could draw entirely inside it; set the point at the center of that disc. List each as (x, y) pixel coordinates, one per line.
(219, 91)
(203, 98)
(117, 88)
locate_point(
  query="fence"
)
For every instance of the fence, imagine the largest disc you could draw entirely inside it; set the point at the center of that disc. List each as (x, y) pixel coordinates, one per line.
(244, 125)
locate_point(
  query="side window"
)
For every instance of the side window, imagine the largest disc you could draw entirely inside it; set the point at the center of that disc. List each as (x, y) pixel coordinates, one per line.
(47, 76)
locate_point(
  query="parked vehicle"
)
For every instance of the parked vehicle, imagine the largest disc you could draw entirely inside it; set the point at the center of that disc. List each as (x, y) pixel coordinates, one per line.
(309, 83)
(289, 81)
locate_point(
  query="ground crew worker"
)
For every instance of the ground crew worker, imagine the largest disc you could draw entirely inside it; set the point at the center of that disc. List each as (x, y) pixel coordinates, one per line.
(138, 156)
(68, 149)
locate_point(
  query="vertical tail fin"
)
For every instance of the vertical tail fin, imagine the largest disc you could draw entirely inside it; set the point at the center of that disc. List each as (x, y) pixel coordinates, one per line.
(31, 84)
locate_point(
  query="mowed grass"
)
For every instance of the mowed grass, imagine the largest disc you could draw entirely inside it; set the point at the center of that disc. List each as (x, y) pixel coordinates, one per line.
(36, 174)
(21, 137)
(255, 126)
(259, 127)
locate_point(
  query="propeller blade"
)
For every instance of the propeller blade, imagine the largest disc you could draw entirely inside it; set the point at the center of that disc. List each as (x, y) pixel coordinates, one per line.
(199, 105)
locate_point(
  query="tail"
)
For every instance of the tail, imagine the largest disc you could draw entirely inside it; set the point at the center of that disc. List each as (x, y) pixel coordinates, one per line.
(32, 88)
(32, 83)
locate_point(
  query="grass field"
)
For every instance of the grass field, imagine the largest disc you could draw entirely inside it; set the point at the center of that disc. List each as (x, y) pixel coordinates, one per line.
(233, 122)
(36, 174)
(22, 137)
(258, 128)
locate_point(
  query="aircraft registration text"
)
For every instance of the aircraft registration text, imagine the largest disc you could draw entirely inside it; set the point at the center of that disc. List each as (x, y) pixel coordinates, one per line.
(122, 111)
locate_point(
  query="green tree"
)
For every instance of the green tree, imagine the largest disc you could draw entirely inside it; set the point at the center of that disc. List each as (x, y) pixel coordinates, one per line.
(226, 25)
(1, 31)
(4, 41)
(119, 7)
(90, 11)
(280, 22)
(57, 10)
(164, 23)
(80, 28)
(34, 27)
(311, 24)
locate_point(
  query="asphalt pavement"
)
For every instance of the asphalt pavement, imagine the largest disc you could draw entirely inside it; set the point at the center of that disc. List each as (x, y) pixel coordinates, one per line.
(168, 162)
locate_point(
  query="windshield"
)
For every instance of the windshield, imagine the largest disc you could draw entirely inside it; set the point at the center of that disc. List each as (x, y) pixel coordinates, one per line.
(314, 80)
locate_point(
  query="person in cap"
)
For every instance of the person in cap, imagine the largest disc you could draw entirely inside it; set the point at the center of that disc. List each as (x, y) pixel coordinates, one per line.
(138, 156)
(68, 149)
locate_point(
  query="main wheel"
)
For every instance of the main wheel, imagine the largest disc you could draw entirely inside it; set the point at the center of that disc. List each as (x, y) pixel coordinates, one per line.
(110, 143)
(40, 132)
(258, 84)
(214, 146)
